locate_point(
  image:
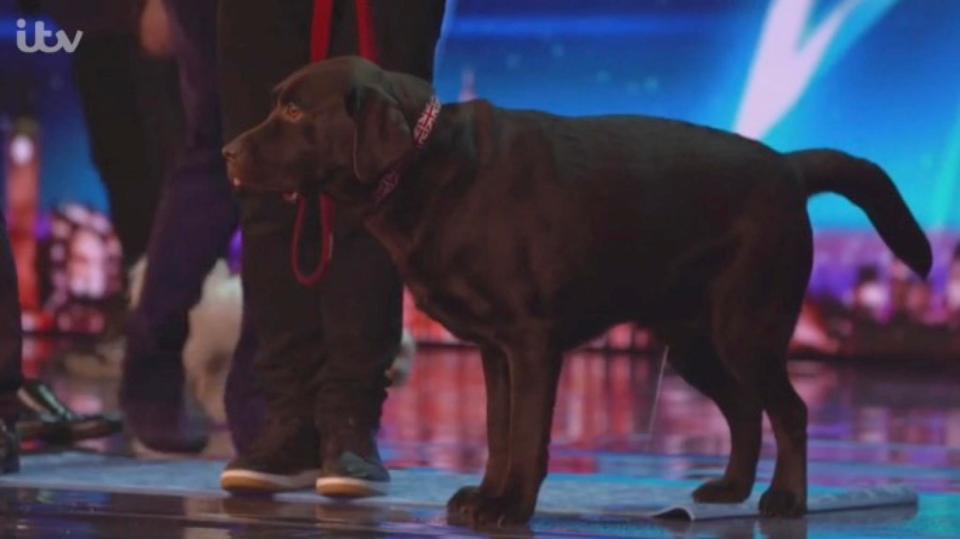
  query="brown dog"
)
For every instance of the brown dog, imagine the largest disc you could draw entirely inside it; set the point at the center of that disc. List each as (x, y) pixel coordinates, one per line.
(529, 234)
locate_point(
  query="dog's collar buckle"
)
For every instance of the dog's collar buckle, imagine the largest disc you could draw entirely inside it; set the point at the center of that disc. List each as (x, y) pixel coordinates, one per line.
(421, 133)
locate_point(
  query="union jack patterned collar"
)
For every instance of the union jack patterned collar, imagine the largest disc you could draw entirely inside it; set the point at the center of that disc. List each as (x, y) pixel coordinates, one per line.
(421, 133)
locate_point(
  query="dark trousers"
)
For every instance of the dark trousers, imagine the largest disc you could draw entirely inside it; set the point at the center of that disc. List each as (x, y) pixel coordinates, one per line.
(194, 222)
(323, 350)
(132, 108)
(10, 339)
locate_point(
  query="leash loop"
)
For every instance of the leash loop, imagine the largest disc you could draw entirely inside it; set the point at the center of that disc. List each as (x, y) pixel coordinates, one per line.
(327, 215)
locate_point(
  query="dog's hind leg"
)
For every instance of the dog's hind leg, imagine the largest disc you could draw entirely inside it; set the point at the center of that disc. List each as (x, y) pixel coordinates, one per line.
(765, 374)
(697, 361)
(753, 322)
(765, 348)
(496, 377)
(787, 495)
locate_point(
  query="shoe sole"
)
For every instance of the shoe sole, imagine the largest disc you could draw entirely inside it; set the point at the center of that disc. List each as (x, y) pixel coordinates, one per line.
(63, 433)
(349, 487)
(30, 431)
(250, 481)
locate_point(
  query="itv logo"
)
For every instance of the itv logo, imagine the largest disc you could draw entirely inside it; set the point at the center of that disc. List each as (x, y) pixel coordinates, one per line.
(40, 35)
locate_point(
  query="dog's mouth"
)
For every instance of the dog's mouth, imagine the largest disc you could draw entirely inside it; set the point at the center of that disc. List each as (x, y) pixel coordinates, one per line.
(292, 195)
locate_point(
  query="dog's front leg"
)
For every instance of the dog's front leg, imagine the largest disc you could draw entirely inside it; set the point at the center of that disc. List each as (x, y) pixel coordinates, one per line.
(534, 370)
(496, 377)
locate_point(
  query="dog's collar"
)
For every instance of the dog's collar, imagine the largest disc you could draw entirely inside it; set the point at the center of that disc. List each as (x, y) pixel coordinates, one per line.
(421, 133)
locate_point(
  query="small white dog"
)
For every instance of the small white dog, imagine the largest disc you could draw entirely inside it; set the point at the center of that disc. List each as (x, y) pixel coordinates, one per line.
(214, 332)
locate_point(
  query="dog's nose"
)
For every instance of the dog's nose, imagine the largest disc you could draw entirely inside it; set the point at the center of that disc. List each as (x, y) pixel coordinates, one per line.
(230, 151)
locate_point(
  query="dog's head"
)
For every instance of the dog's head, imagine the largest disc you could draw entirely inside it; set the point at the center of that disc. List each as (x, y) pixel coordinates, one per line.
(337, 125)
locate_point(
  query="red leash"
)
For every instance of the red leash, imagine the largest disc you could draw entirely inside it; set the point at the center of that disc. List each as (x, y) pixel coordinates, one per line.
(320, 32)
(366, 39)
(327, 214)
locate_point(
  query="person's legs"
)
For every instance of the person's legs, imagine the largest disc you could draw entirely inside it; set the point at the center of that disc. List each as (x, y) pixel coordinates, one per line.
(361, 305)
(407, 38)
(350, 325)
(194, 222)
(159, 100)
(127, 103)
(361, 310)
(243, 396)
(260, 43)
(11, 376)
(285, 452)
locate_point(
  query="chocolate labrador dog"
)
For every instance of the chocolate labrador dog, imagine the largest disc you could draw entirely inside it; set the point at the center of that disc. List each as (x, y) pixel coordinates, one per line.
(529, 234)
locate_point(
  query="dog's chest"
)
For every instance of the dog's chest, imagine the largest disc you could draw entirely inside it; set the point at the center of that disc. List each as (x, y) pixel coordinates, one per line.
(452, 301)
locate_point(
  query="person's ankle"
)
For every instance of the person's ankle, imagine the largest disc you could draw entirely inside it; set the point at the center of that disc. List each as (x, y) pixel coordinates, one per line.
(9, 447)
(166, 427)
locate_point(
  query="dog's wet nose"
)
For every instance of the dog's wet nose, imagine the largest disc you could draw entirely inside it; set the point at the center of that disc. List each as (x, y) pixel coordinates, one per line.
(232, 150)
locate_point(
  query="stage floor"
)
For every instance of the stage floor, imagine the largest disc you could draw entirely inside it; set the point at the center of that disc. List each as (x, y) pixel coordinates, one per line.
(871, 426)
(91, 495)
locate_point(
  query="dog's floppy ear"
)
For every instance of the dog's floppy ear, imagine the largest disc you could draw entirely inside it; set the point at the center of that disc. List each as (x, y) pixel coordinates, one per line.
(381, 136)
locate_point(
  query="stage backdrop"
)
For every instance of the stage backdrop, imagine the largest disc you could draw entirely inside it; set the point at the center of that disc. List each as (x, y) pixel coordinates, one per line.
(877, 78)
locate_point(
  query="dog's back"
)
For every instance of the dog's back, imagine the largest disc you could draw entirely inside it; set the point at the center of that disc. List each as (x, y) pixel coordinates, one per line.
(669, 200)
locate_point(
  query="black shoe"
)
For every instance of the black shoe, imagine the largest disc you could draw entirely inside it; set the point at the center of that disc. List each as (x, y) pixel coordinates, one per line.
(9, 449)
(36, 427)
(166, 428)
(351, 462)
(45, 418)
(158, 413)
(286, 456)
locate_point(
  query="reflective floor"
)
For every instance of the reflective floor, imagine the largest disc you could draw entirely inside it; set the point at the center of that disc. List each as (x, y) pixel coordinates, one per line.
(870, 425)
(52, 513)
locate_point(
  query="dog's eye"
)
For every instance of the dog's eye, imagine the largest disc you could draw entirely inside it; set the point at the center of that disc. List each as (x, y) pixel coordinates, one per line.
(292, 112)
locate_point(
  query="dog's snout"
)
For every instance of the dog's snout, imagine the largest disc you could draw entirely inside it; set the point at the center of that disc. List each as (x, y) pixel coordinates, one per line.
(230, 151)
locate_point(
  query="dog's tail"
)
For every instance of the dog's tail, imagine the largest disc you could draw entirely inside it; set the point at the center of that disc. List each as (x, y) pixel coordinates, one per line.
(869, 187)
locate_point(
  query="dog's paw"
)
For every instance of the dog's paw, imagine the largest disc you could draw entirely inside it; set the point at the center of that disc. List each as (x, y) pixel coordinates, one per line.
(722, 490)
(461, 502)
(782, 503)
(472, 507)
